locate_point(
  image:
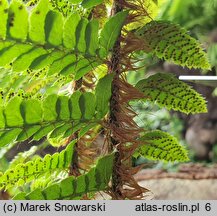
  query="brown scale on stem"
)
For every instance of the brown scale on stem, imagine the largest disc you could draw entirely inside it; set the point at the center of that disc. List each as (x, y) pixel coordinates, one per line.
(122, 124)
(123, 131)
(74, 169)
(129, 41)
(124, 134)
(138, 10)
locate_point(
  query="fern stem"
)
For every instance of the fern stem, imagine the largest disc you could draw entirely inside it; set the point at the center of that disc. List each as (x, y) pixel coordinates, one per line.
(114, 68)
(74, 168)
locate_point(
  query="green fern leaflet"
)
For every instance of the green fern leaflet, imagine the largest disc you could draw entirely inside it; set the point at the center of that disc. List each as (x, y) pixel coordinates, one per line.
(96, 179)
(25, 172)
(171, 42)
(158, 145)
(168, 91)
(45, 38)
(56, 114)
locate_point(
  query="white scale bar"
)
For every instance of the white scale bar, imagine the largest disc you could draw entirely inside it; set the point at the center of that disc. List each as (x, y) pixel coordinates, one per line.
(205, 80)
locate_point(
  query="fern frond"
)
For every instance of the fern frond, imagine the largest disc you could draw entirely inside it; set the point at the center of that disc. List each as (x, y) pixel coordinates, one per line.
(25, 172)
(159, 145)
(96, 179)
(171, 42)
(168, 91)
(21, 119)
(55, 116)
(43, 37)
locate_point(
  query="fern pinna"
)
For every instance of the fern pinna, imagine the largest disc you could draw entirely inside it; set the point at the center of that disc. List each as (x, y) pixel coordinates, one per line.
(62, 84)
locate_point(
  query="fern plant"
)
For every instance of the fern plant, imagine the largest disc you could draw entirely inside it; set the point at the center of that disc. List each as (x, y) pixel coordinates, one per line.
(62, 84)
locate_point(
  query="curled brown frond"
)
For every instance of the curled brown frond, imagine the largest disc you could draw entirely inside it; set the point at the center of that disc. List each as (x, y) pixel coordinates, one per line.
(87, 149)
(86, 153)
